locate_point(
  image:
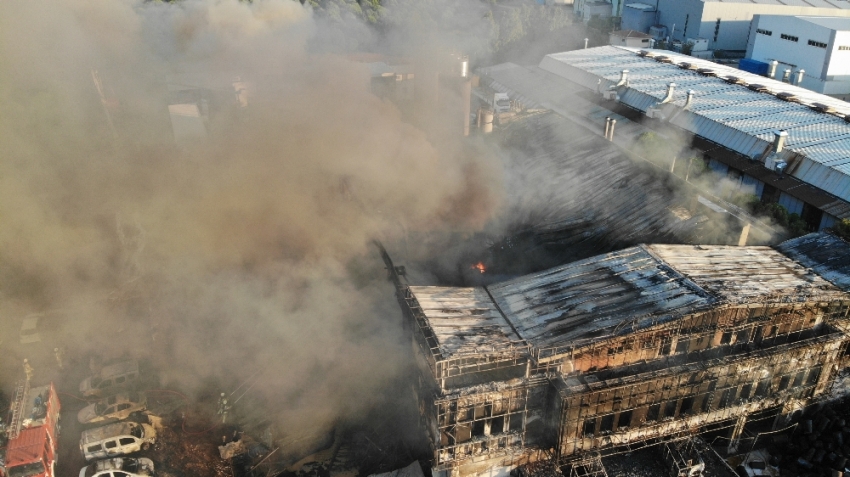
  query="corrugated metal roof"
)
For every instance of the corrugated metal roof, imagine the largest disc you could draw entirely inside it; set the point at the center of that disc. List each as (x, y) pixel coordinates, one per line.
(729, 114)
(826, 254)
(745, 274)
(464, 320)
(585, 298)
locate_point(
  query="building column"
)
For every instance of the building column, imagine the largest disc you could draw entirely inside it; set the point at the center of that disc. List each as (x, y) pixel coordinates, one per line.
(735, 438)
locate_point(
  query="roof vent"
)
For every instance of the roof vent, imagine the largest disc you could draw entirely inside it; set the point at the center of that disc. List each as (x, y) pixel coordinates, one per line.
(790, 97)
(847, 117)
(687, 66)
(663, 59)
(759, 87)
(706, 72)
(646, 54)
(823, 108)
(735, 80)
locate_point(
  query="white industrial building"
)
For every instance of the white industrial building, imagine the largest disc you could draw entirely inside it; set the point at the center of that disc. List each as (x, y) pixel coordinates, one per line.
(813, 52)
(733, 118)
(726, 23)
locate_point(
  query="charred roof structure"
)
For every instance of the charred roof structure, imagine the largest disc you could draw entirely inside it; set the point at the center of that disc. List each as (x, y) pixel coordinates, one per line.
(640, 346)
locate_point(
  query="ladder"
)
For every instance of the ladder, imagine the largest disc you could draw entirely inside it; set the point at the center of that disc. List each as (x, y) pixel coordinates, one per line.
(21, 391)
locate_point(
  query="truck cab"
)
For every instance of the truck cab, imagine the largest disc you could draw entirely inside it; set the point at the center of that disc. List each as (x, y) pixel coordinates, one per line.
(33, 432)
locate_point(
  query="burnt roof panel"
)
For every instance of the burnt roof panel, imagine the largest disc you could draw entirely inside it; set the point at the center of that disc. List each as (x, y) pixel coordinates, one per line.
(826, 254)
(464, 320)
(587, 298)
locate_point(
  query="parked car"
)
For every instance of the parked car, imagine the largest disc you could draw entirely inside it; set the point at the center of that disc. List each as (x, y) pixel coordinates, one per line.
(119, 467)
(113, 408)
(111, 378)
(112, 440)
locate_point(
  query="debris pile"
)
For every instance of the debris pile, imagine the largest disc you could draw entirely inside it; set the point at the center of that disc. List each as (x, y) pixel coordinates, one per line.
(819, 445)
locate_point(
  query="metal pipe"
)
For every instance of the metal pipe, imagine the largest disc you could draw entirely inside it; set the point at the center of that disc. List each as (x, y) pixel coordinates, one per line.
(585, 43)
(611, 132)
(771, 70)
(607, 125)
(779, 141)
(786, 77)
(800, 74)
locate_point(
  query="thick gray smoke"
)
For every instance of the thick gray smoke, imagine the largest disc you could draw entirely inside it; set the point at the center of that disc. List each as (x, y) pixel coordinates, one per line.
(246, 252)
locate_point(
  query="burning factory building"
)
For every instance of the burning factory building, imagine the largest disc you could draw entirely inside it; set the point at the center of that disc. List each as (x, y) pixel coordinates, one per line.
(640, 346)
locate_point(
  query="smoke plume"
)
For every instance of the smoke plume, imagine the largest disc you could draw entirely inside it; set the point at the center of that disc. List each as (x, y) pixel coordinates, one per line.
(244, 252)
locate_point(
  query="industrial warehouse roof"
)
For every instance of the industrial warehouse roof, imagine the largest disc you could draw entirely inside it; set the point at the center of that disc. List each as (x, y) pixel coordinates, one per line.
(742, 274)
(630, 289)
(464, 320)
(833, 23)
(729, 114)
(826, 254)
(577, 300)
(839, 4)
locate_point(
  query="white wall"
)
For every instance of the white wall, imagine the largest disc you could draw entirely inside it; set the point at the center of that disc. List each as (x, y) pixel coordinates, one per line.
(734, 19)
(839, 64)
(790, 54)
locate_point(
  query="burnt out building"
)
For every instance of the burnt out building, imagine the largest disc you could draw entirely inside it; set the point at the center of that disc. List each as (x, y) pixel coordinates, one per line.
(634, 347)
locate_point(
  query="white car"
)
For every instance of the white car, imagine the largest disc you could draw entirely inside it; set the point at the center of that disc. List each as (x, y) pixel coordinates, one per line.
(113, 408)
(119, 467)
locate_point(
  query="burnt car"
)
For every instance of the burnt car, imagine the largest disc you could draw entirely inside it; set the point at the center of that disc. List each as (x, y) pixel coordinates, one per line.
(119, 467)
(113, 408)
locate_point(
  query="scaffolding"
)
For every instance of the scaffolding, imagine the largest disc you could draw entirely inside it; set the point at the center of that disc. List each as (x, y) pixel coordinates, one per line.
(588, 465)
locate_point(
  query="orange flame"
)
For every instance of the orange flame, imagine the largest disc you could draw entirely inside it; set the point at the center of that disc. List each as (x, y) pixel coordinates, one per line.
(479, 266)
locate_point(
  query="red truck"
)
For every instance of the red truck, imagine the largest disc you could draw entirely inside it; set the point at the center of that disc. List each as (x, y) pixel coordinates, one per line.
(33, 433)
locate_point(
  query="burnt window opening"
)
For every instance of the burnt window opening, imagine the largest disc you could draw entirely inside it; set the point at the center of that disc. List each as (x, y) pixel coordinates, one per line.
(647, 344)
(478, 428)
(670, 408)
(783, 383)
(726, 398)
(607, 423)
(625, 419)
(666, 345)
(652, 412)
(515, 423)
(745, 391)
(497, 425)
(687, 405)
(726, 338)
(814, 374)
(798, 379)
(743, 336)
(590, 426)
(706, 402)
(763, 387)
(682, 346)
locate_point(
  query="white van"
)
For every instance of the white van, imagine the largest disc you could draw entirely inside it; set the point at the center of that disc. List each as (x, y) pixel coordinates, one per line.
(116, 439)
(113, 377)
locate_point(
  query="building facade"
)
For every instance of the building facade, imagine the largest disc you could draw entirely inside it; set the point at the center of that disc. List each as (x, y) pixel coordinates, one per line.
(636, 346)
(727, 24)
(814, 51)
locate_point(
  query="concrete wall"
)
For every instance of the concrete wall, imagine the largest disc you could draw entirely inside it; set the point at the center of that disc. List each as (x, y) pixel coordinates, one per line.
(734, 18)
(637, 19)
(790, 54)
(839, 59)
(679, 13)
